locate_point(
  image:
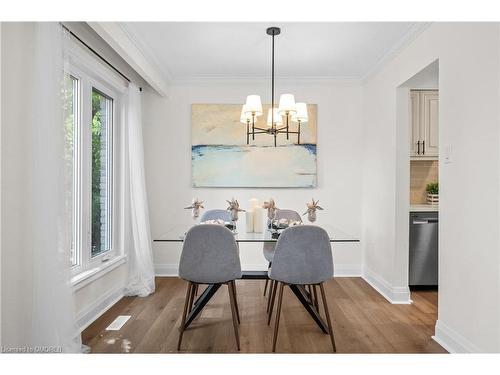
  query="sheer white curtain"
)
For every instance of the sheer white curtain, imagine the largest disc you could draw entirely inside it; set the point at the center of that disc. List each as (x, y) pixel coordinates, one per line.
(37, 298)
(141, 272)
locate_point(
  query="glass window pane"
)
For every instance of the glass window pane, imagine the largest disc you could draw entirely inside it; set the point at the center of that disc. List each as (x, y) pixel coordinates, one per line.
(70, 157)
(102, 120)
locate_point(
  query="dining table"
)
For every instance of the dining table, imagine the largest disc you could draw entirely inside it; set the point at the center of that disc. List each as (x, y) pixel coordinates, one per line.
(177, 233)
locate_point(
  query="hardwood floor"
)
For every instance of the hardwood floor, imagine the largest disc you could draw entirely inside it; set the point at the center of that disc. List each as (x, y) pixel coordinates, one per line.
(363, 322)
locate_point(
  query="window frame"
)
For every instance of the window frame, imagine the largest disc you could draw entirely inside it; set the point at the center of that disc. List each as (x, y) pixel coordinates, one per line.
(92, 73)
(109, 137)
(76, 178)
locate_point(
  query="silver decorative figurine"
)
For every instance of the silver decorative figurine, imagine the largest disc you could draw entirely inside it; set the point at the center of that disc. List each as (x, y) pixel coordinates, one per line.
(311, 210)
(271, 208)
(196, 206)
(234, 208)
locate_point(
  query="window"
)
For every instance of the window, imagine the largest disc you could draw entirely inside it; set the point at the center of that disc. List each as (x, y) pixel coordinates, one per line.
(93, 107)
(102, 126)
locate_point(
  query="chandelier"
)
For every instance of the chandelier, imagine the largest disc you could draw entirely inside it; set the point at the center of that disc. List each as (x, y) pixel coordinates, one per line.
(278, 119)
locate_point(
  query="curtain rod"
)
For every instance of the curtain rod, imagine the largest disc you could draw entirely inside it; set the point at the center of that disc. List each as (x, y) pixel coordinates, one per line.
(97, 54)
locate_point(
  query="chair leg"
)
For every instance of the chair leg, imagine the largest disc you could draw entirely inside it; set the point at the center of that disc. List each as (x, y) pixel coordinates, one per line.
(278, 313)
(191, 297)
(183, 321)
(233, 313)
(267, 280)
(271, 306)
(325, 305)
(236, 301)
(309, 289)
(269, 295)
(316, 301)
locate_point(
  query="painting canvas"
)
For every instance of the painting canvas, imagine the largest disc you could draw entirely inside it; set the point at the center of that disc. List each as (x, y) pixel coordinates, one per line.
(221, 157)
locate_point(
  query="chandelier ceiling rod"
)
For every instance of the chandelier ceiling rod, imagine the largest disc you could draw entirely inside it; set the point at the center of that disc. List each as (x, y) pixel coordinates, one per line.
(273, 31)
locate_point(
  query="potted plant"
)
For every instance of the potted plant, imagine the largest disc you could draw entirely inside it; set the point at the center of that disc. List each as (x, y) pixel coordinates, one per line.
(432, 193)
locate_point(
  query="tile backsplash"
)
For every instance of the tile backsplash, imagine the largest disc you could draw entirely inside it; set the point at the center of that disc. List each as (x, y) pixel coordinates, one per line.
(422, 172)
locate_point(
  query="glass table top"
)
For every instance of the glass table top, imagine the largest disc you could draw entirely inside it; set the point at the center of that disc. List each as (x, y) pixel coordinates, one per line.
(177, 233)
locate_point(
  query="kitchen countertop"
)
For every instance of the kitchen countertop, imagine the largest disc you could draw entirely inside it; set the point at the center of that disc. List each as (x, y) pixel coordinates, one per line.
(423, 208)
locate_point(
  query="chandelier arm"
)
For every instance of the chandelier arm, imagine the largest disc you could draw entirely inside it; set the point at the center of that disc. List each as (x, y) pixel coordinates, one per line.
(265, 130)
(253, 126)
(287, 137)
(298, 134)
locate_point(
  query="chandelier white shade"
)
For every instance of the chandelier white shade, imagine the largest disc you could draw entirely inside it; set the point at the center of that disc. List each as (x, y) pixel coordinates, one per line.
(287, 105)
(278, 120)
(253, 105)
(301, 114)
(246, 116)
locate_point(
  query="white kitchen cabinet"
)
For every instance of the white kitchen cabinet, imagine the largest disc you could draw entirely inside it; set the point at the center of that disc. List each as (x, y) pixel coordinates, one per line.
(424, 132)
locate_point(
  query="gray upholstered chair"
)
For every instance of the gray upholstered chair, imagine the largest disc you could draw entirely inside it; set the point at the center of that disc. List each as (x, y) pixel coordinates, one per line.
(268, 250)
(215, 215)
(303, 256)
(210, 256)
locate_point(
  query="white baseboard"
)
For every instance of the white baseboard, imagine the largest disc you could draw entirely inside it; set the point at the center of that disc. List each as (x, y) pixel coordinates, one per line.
(341, 270)
(395, 295)
(347, 270)
(452, 341)
(166, 269)
(99, 307)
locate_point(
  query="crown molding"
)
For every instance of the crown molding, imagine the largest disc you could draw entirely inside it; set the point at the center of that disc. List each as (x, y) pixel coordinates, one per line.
(120, 41)
(264, 80)
(413, 33)
(146, 51)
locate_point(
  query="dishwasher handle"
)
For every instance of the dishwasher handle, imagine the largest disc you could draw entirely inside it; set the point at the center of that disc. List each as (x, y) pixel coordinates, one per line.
(429, 220)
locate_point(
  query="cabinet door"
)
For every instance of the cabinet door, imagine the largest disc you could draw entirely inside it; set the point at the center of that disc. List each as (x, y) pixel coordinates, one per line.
(415, 122)
(429, 130)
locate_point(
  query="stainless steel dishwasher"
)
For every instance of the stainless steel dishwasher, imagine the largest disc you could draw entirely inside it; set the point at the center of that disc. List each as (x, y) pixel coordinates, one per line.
(423, 248)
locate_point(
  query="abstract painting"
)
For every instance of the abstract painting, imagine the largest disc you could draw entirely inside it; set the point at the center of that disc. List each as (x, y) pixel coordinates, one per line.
(221, 157)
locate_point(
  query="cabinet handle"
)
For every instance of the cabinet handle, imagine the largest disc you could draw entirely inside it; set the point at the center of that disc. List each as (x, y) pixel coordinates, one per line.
(418, 147)
(423, 147)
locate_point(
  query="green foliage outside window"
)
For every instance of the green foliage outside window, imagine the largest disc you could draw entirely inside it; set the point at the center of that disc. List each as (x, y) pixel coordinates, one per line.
(96, 172)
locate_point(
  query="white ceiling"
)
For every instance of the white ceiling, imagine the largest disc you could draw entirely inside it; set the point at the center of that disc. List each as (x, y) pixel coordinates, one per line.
(184, 50)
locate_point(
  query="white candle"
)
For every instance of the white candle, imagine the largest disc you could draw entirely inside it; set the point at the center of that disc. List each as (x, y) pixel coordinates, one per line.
(258, 220)
(249, 215)
(253, 203)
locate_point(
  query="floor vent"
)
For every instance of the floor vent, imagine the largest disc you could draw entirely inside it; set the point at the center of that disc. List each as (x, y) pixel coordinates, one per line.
(118, 323)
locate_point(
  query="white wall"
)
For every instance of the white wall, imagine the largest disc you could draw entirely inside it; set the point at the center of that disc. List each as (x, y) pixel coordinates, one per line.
(167, 143)
(469, 259)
